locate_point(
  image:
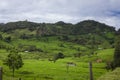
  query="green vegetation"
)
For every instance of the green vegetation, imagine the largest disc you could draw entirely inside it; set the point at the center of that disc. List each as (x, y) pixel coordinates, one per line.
(117, 53)
(114, 75)
(42, 44)
(106, 55)
(44, 69)
(13, 61)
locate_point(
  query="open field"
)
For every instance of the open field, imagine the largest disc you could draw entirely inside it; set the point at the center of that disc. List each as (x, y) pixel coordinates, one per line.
(46, 70)
(37, 67)
(42, 69)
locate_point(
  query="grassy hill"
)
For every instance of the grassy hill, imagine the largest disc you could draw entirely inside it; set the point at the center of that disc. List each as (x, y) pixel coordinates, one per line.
(44, 69)
(88, 33)
(106, 55)
(114, 75)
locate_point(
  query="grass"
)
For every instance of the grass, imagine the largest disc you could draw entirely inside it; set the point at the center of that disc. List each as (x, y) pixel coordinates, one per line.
(37, 67)
(52, 46)
(46, 70)
(43, 69)
(114, 75)
(106, 55)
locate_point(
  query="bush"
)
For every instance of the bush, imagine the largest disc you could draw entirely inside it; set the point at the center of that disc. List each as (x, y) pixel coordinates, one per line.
(58, 56)
(77, 55)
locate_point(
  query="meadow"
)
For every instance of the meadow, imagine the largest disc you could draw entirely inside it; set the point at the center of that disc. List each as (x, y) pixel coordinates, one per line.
(38, 67)
(46, 70)
(43, 69)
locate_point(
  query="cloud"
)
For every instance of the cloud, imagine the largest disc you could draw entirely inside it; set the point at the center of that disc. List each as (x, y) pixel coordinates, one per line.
(106, 11)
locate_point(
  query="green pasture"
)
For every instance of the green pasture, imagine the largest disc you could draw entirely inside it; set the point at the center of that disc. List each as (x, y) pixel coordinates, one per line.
(114, 75)
(46, 70)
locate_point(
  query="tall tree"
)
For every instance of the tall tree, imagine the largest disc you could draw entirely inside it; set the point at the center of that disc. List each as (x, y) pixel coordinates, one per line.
(117, 53)
(13, 61)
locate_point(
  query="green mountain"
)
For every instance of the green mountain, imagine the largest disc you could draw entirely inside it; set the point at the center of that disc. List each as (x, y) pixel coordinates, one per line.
(40, 43)
(59, 28)
(90, 34)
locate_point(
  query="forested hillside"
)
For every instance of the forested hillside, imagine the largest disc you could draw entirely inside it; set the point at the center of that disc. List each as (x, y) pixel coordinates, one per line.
(59, 28)
(89, 33)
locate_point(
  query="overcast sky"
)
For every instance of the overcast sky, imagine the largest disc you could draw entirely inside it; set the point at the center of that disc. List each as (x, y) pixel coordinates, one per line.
(106, 11)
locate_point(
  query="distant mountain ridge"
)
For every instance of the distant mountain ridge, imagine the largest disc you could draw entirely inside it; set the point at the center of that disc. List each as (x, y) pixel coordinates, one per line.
(59, 28)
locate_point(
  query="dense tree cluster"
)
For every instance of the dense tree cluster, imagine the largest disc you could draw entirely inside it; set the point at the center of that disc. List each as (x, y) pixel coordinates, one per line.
(117, 53)
(59, 28)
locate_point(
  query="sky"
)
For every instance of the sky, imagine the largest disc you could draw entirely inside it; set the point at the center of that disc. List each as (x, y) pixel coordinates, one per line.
(51, 11)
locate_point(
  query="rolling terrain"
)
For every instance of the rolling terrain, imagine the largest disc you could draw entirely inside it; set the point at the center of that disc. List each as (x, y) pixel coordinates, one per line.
(38, 43)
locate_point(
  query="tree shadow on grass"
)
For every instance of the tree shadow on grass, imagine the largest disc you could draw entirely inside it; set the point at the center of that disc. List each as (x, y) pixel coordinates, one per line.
(26, 72)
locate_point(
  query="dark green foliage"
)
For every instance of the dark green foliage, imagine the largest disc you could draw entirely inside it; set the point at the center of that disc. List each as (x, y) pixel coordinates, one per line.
(29, 48)
(26, 72)
(77, 55)
(110, 66)
(117, 53)
(25, 36)
(60, 28)
(81, 41)
(64, 37)
(118, 32)
(18, 25)
(32, 48)
(61, 23)
(1, 38)
(91, 26)
(7, 39)
(58, 56)
(13, 61)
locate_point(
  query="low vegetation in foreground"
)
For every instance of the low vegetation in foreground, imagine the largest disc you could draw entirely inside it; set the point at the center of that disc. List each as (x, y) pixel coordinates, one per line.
(46, 70)
(114, 75)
